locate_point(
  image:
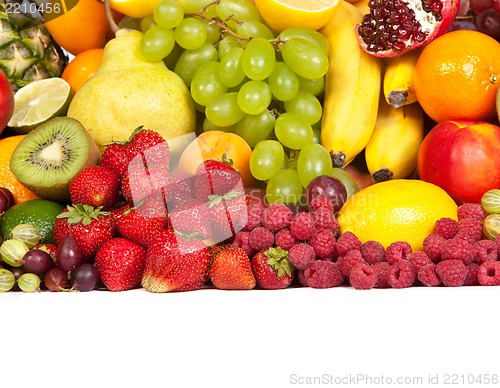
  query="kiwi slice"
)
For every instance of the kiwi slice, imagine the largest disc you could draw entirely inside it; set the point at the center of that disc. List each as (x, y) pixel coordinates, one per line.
(51, 155)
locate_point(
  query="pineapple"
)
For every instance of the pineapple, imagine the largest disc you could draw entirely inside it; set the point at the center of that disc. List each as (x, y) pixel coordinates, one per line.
(27, 51)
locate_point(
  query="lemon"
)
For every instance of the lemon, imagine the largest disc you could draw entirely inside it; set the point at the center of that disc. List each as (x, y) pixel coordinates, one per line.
(134, 8)
(396, 210)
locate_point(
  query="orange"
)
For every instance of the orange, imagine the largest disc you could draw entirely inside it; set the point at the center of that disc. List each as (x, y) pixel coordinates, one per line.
(7, 179)
(82, 67)
(457, 76)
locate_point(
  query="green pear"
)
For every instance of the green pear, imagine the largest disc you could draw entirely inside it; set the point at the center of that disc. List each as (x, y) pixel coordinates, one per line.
(128, 91)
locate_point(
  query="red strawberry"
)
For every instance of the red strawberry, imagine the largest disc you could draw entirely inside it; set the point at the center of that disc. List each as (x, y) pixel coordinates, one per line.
(95, 186)
(90, 226)
(192, 218)
(179, 189)
(229, 214)
(51, 249)
(140, 182)
(272, 269)
(231, 270)
(175, 264)
(120, 263)
(150, 145)
(214, 177)
(115, 158)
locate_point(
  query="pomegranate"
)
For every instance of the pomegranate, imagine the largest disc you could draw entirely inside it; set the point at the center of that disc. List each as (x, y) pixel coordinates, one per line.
(395, 26)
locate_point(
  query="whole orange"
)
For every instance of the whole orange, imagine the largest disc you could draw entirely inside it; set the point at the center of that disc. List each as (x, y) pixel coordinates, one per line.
(7, 179)
(457, 76)
(82, 67)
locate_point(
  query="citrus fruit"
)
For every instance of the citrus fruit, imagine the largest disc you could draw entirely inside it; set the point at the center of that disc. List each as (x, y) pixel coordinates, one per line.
(20, 192)
(457, 76)
(282, 14)
(396, 210)
(40, 213)
(82, 67)
(134, 8)
(38, 102)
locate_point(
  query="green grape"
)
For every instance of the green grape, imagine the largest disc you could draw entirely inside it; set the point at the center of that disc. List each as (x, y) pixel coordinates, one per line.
(317, 135)
(147, 22)
(206, 84)
(26, 233)
(190, 34)
(171, 59)
(224, 110)
(348, 181)
(258, 59)
(168, 14)
(254, 29)
(255, 128)
(195, 6)
(254, 97)
(190, 60)
(313, 86)
(305, 105)
(12, 252)
(283, 82)
(312, 36)
(213, 31)
(7, 280)
(230, 70)
(29, 282)
(293, 131)
(284, 187)
(234, 11)
(304, 58)
(226, 44)
(157, 43)
(313, 161)
(266, 159)
(130, 23)
(209, 126)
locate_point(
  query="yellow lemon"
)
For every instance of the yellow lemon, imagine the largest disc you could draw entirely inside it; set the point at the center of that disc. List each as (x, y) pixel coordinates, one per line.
(282, 14)
(134, 8)
(396, 210)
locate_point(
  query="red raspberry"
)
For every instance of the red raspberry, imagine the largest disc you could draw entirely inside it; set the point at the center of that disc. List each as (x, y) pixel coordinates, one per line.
(488, 273)
(401, 274)
(471, 278)
(451, 272)
(372, 251)
(325, 219)
(349, 260)
(320, 201)
(323, 274)
(427, 276)
(475, 225)
(346, 242)
(397, 251)
(497, 241)
(302, 226)
(432, 246)
(241, 240)
(446, 227)
(471, 210)
(467, 234)
(457, 249)
(260, 238)
(362, 277)
(302, 278)
(419, 260)
(381, 269)
(254, 216)
(301, 255)
(323, 242)
(284, 239)
(485, 250)
(276, 216)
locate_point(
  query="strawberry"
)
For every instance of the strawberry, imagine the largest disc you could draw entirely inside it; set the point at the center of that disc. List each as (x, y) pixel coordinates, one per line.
(272, 268)
(120, 263)
(174, 263)
(140, 182)
(179, 189)
(115, 158)
(95, 186)
(231, 270)
(228, 214)
(140, 140)
(192, 218)
(214, 177)
(90, 226)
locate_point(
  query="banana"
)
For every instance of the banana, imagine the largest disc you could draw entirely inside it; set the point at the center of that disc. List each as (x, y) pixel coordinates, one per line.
(352, 89)
(392, 150)
(399, 86)
(362, 5)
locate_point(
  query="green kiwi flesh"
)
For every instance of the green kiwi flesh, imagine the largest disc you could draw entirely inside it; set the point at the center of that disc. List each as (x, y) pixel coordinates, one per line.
(51, 155)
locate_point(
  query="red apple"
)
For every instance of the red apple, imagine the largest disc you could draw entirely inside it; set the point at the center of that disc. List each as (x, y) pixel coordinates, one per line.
(462, 157)
(6, 101)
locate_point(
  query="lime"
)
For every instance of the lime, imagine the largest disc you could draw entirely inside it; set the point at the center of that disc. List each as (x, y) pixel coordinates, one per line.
(40, 213)
(38, 102)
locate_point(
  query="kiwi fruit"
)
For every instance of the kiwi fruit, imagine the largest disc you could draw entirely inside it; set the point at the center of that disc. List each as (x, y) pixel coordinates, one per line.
(51, 155)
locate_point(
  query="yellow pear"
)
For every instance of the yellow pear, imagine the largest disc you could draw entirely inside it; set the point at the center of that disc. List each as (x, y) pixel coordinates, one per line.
(128, 91)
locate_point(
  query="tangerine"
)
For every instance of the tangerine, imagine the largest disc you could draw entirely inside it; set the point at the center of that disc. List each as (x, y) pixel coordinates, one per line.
(82, 67)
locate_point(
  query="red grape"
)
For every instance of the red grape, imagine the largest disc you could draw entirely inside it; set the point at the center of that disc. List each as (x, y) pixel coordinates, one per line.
(479, 5)
(6, 200)
(495, 4)
(37, 261)
(55, 280)
(330, 187)
(84, 277)
(488, 22)
(463, 24)
(69, 254)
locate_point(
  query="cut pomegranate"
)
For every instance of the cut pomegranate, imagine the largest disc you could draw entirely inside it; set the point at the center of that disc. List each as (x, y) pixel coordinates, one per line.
(395, 26)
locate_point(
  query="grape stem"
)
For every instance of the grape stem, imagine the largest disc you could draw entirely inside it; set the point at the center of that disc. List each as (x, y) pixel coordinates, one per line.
(111, 21)
(221, 24)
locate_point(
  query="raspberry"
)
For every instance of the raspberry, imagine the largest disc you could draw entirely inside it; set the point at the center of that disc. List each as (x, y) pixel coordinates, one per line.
(457, 249)
(451, 272)
(320, 201)
(471, 278)
(397, 251)
(372, 251)
(419, 260)
(241, 240)
(302, 226)
(467, 234)
(323, 274)
(401, 274)
(284, 239)
(254, 216)
(488, 273)
(471, 210)
(381, 269)
(362, 277)
(346, 242)
(302, 278)
(475, 225)
(276, 216)
(485, 250)
(301, 254)
(446, 227)
(323, 242)
(427, 276)
(260, 238)
(432, 246)
(325, 219)
(349, 260)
